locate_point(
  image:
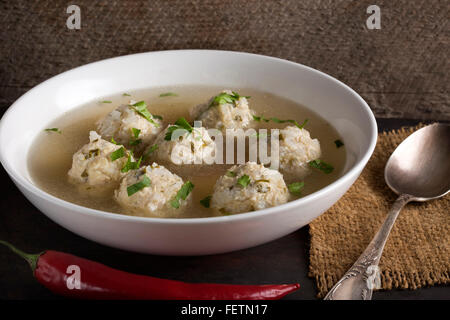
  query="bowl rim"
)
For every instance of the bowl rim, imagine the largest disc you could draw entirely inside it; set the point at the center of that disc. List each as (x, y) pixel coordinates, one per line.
(354, 170)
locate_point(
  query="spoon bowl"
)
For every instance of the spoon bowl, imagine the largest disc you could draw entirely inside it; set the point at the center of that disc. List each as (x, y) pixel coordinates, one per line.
(420, 166)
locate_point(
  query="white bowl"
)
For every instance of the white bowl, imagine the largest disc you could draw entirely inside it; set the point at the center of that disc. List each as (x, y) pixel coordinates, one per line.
(340, 105)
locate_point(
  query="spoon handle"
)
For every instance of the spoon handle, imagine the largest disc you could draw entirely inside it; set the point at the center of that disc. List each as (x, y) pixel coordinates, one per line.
(358, 282)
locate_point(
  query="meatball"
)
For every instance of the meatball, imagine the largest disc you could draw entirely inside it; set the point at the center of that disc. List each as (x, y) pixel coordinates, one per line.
(153, 190)
(297, 148)
(131, 125)
(95, 164)
(228, 110)
(249, 187)
(195, 147)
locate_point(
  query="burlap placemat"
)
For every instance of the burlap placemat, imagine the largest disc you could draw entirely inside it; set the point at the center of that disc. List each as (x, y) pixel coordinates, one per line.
(417, 252)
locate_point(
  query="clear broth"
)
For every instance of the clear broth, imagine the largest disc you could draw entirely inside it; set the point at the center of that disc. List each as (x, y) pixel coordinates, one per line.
(50, 157)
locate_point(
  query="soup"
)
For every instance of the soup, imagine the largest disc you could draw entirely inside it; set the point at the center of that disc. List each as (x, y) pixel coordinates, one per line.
(50, 158)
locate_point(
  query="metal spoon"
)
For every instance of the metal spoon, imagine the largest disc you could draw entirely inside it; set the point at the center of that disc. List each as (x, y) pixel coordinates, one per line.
(418, 170)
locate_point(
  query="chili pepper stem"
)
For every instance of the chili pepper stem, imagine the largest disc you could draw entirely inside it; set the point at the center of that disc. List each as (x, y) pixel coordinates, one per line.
(32, 259)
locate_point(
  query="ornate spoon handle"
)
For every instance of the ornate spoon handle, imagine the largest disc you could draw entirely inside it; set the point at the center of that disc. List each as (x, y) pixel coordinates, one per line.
(358, 282)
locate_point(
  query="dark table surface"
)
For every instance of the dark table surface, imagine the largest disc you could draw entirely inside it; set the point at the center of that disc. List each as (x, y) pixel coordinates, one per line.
(282, 260)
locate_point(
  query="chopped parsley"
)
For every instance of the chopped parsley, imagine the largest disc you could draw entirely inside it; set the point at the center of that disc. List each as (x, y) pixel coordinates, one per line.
(131, 165)
(276, 120)
(141, 108)
(113, 141)
(180, 124)
(145, 182)
(338, 143)
(206, 201)
(231, 173)
(157, 117)
(259, 118)
(223, 98)
(53, 130)
(296, 187)
(135, 142)
(182, 194)
(150, 151)
(119, 153)
(244, 180)
(135, 132)
(168, 94)
(106, 101)
(300, 126)
(135, 135)
(126, 94)
(322, 166)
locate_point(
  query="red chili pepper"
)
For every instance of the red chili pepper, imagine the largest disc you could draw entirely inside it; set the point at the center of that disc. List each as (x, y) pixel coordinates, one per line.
(98, 281)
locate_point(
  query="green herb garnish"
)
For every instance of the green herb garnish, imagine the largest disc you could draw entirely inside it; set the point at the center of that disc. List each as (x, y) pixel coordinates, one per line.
(168, 94)
(223, 98)
(182, 194)
(157, 117)
(244, 180)
(135, 135)
(206, 201)
(131, 165)
(169, 132)
(135, 142)
(150, 151)
(141, 108)
(119, 153)
(113, 141)
(322, 166)
(126, 94)
(276, 120)
(338, 143)
(180, 124)
(300, 126)
(280, 121)
(296, 187)
(135, 132)
(231, 173)
(106, 101)
(53, 130)
(259, 118)
(145, 182)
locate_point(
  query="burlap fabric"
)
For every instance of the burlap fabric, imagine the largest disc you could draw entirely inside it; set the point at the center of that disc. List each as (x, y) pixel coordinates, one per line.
(417, 253)
(401, 70)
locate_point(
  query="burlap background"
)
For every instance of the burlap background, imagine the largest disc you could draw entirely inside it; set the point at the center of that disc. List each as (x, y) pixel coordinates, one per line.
(401, 70)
